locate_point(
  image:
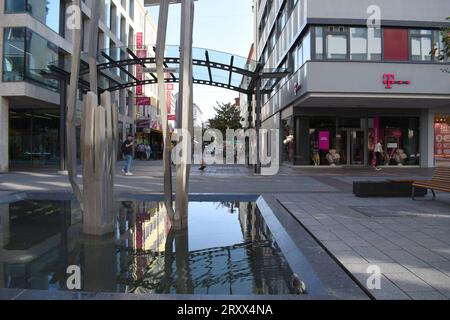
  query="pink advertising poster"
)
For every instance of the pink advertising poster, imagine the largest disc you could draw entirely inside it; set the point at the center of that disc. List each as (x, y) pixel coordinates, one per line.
(442, 141)
(324, 140)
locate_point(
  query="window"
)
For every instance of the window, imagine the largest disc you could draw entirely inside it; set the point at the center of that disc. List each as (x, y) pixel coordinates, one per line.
(39, 54)
(421, 41)
(365, 44)
(282, 20)
(48, 12)
(396, 44)
(299, 56)
(319, 43)
(336, 45)
(26, 54)
(13, 54)
(307, 47)
(439, 44)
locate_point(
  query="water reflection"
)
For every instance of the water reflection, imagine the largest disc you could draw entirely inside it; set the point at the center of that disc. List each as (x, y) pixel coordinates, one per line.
(227, 249)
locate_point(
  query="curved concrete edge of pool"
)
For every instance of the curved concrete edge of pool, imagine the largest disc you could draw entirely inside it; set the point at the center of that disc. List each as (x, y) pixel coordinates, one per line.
(325, 279)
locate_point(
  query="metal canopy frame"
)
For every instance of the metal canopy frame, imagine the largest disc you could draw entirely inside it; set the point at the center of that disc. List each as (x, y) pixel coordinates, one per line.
(108, 63)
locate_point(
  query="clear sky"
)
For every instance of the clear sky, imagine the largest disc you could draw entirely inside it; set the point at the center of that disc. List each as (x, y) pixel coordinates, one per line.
(222, 25)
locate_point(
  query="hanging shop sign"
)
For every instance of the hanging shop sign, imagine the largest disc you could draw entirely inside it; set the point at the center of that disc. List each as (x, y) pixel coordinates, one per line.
(143, 101)
(139, 40)
(389, 81)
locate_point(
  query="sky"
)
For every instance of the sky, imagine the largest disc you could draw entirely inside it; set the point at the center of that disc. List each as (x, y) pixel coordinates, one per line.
(222, 25)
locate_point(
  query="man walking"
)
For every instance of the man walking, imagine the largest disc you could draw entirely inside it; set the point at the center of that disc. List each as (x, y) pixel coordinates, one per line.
(127, 149)
(379, 154)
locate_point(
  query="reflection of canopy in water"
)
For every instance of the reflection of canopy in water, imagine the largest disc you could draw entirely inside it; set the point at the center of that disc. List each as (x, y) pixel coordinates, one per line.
(213, 267)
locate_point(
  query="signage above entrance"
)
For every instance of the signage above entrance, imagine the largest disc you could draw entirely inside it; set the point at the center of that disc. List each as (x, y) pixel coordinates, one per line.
(389, 80)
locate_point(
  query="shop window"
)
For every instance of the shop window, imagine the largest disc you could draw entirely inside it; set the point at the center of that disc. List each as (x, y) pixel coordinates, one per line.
(396, 44)
(400, 136)
(442, 138)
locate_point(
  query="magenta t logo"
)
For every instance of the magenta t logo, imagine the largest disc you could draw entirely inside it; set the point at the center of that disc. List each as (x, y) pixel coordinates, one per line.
(389, 81)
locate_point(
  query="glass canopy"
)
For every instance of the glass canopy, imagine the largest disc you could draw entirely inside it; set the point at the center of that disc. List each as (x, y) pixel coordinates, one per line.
(125, 67)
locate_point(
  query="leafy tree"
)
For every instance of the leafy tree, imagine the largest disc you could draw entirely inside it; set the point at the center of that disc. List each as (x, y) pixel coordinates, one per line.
(443, 53)
(228, 116)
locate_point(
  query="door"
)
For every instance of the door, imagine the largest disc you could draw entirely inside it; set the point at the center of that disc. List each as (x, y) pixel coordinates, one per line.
(356, 143)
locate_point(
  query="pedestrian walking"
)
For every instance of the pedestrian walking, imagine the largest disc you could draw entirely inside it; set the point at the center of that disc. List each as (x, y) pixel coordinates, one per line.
(127, 149)
(148, 152)
(379, 154)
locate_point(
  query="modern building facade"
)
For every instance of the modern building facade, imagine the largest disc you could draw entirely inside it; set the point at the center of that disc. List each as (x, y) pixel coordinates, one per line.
(33, 33)
(362, 71)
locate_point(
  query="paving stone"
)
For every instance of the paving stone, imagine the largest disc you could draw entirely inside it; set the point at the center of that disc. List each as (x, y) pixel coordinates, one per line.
(405, 258)
(373, 255)
(409, 282)
(349, 257)
(434, 278)
(425, 255)
(427, 295)
(336, 245)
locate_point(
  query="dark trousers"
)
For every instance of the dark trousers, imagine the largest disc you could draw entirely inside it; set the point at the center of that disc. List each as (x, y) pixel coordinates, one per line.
(379, 157)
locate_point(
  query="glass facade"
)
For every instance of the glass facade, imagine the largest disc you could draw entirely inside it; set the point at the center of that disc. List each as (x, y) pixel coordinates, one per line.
(48, 12)
(25, 54)
(330, 140)
(34, 137)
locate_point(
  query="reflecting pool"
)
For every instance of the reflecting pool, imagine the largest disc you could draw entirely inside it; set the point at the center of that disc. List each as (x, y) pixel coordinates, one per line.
(227, 249)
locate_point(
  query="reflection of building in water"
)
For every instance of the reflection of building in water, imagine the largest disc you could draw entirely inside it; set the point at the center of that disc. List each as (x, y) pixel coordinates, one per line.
(34, 242)
(152, 226)
(39, 239)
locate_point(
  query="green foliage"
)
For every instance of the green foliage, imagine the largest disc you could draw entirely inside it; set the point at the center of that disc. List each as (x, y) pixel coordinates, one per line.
(444, 53)
(228, 116)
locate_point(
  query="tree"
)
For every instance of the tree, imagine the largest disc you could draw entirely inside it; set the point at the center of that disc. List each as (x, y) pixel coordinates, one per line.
(443, 52)
(228, 116)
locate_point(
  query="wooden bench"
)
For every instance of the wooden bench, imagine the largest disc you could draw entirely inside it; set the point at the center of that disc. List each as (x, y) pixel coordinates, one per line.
(440, 181)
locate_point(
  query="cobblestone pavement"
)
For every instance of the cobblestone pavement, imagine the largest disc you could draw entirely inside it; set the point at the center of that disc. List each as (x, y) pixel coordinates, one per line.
(408, 240)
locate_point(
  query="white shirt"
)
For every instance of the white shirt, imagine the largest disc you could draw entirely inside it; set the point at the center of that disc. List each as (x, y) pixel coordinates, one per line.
(378, 147)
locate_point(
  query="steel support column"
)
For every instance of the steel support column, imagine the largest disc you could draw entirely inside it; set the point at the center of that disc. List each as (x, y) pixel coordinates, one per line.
(160, 51)
(258, 125)
(186, 108)
(62, 125)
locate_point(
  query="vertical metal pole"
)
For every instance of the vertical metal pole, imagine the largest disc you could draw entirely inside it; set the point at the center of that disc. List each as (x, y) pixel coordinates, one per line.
(186, 108)
(258, 126)
(249, 126)
(62, 125)
(160, 51)
(93, 46)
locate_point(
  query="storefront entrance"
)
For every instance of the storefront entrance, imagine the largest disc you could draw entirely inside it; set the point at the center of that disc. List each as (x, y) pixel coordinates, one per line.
(351, 147)
(348, 139)
(34, 138)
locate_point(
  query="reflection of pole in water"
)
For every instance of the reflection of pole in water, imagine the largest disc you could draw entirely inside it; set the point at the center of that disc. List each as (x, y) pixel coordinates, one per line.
(98, 273)
(4, 238)
(184, 278)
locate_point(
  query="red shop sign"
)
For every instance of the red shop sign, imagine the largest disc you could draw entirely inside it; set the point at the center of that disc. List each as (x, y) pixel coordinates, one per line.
(139, 40)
